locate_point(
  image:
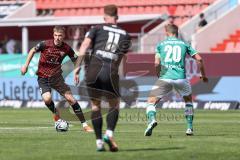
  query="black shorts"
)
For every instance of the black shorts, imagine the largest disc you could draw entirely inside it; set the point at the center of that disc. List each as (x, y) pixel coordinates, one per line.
(56, 82)
(102, 84)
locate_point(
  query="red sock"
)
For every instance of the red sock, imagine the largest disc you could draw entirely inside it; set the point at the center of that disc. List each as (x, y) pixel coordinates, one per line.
(56, 117)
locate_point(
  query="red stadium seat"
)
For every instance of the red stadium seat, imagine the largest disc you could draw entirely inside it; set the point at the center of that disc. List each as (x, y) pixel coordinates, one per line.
(230, 47)
(231, 44)
(188, 10)
(132, 10)
(156, 9)
(148, 9)
(178, 21)
(95, 11)
(180, 11)
(72, 12)
(237, 47)
(140, 9)
(164, 9)
(80, 12)
(196, 9)
(171, 10)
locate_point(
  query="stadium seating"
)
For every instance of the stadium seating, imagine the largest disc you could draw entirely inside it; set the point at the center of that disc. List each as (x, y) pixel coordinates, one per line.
(180, 10)
(229, 45)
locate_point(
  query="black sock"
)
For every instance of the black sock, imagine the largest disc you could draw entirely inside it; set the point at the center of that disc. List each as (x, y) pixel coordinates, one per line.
(78, 111)
(112, 118)
(97, 123)
(51, 107)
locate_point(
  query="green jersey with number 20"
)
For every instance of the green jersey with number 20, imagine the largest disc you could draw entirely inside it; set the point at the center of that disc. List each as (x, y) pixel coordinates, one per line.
(172, 52)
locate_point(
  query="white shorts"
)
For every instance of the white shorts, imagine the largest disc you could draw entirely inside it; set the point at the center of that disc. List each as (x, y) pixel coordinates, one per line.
(165, 86)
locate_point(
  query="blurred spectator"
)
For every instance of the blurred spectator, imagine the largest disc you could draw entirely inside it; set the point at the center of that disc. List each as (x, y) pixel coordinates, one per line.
(11, 46)
(202, 21)
(3, 45)
(1, 48)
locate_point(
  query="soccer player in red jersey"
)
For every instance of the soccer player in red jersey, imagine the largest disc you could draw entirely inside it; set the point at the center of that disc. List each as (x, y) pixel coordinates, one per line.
(52, 53)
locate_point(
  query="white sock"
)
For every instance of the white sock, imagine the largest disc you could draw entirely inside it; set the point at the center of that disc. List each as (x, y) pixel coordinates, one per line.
(109, 133)
(84, 124)
(99, 143)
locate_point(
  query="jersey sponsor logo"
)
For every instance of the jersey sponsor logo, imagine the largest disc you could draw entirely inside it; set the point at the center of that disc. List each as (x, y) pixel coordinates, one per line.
(107, 55)
(52, 59)
(172, 42)
(115, 30)
(172, 66)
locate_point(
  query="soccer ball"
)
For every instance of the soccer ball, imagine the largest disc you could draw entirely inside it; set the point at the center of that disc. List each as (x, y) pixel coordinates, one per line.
(61, 126)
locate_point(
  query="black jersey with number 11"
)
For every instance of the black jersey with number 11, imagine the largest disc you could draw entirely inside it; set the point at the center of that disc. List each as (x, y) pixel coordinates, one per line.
(109, 44)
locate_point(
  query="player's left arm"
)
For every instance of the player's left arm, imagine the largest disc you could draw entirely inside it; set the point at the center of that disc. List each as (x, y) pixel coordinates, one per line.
(194, 54)
(157, 63)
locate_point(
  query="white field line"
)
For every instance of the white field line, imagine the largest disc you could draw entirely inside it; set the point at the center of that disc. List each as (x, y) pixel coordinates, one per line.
(24, 128)
(28, 128)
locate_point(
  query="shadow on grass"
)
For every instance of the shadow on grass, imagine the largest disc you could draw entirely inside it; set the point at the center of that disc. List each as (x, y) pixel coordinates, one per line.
(150, 149)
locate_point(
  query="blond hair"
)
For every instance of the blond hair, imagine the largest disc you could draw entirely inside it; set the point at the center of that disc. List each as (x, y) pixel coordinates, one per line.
(59, 29)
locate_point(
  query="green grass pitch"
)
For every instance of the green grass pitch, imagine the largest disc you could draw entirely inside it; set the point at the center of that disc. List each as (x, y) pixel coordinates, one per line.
(28, 134)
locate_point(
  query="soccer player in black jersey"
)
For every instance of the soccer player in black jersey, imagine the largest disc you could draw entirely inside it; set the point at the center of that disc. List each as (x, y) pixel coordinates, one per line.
(109, 43)
(52, 53)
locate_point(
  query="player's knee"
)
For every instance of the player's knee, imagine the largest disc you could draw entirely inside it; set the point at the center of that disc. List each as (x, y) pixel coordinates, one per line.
(115, 107)
(47, 98)
(48, 101)
(152, 100)
(95, 105)
(114, 103)
(95, 108)
(70, 98)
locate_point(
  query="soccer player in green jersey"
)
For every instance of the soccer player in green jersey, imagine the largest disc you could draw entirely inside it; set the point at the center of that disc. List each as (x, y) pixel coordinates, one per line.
(170, 64)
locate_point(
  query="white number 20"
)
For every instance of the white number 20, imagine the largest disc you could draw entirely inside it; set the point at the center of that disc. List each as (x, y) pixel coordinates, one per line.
(173, 53)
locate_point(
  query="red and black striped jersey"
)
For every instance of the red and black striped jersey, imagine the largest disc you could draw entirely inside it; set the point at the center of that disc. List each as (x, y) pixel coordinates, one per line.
(51, 57)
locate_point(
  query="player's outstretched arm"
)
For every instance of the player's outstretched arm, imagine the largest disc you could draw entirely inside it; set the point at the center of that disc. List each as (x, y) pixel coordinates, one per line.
(199, 60)
(82, 52)
(24, 68)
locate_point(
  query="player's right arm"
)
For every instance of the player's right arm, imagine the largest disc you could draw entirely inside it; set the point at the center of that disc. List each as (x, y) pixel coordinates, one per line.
(90, 35)
(31, 53)
(82, 52)
(24, 68)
